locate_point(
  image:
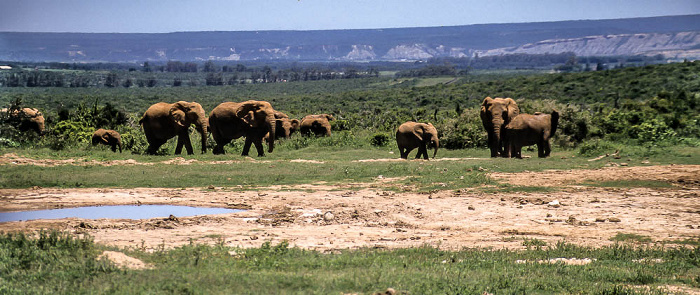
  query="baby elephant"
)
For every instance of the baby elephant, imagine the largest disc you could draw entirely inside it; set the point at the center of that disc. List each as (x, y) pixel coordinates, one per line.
(526, 129)
(108, 137)
(411, 135)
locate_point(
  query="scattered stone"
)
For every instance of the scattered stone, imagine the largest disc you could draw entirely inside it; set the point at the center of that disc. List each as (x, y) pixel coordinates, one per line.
(645, 162)
(211, 187)
(624, 164)
(86, 225)
(471, 208)
(172, 218)
(554, 204)
(328, 216)
(599, 219)
(614, 219)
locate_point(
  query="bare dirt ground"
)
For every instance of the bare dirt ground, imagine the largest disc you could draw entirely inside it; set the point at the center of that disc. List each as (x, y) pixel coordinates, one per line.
(329, 218)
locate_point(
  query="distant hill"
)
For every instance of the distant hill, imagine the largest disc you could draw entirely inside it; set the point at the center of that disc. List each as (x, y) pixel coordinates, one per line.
(673, 36)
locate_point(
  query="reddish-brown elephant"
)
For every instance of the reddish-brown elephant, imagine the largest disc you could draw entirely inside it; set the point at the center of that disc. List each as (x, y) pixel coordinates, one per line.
(163, 121)
(411, 135)
(496, 113)
(107, 137)
(252, 119)
(526, 130)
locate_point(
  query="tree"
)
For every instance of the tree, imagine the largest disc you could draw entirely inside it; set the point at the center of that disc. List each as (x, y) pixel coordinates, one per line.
(209, 67)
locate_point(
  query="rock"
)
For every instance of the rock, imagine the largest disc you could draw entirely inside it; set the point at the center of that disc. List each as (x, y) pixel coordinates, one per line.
(614, 219)
(554, 204)
(471, 208)
(328, 216)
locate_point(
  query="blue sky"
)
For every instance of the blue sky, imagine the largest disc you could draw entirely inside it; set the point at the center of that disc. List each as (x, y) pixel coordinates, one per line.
(160, 16)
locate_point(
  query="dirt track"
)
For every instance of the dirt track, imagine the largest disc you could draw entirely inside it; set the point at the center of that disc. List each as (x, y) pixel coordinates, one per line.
(330, 218)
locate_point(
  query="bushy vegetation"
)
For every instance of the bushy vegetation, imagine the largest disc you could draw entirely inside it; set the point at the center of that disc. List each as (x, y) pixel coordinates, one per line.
(650, 105)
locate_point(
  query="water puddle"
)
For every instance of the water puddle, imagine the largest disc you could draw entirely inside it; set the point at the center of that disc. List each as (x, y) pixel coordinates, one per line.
(115, 212)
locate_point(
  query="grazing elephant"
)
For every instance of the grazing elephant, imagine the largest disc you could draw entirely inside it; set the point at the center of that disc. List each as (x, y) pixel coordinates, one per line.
(252, 119)
(284, 126)
(411, 135)
(26, 119)
(496, 113)
(318, 124)
(526, 129)
(163, 121)
(108, 137)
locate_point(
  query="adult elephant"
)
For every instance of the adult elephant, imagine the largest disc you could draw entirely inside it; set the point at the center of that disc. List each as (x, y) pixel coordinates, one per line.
(317, 124)
(163, 121)
(496, 113)
(284, 126)
(526, 130)
(26, 119)
(252, 119)
(411, 135)
(107, 137)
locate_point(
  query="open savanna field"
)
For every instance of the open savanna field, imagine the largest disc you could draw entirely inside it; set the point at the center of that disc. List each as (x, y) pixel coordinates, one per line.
(613, 210)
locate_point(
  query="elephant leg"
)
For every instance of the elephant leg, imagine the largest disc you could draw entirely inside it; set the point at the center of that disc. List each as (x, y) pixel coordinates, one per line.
(259, 146)
(545, 149)
(188, 145)
(114, 148)
(246, 146)
(404, 154)
(180, 143)
(154, 145)
(421, 151)
(540, 150)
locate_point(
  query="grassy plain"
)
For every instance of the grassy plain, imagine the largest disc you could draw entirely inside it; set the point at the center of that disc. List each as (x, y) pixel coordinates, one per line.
(58, 263)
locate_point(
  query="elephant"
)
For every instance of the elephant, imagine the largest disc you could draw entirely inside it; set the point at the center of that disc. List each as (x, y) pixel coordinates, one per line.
(163, 121)
(526, 129)
(284, 126)
(496, 113)
(318, 124)
(26, 119)
(252, 119)
(411, 135)
(108, 137)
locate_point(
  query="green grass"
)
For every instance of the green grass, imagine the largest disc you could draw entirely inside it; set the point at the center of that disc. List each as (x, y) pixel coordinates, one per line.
(631, 184)
(623, 237)
(60, 264)
(333, 165)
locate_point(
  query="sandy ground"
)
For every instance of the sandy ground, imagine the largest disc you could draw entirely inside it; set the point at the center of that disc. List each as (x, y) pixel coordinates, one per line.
(329, 218)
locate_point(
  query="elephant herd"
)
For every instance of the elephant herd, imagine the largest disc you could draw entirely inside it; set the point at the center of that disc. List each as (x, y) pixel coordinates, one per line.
(508, 130)
(255, 120)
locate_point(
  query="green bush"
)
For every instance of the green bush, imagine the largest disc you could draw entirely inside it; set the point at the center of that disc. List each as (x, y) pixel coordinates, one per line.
(380, 139)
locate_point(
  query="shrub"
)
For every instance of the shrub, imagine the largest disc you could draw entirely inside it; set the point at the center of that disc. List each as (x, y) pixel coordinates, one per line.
(380, 139)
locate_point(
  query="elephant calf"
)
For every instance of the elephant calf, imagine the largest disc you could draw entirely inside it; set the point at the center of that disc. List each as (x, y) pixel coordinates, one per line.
(526, 130)
(411, 135)
(318, 124)
(108, 137)
(285, 127)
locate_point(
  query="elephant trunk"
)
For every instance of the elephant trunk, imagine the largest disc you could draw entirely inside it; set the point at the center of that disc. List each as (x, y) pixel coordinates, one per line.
(437, 144)
(271, 125)
(202, 128)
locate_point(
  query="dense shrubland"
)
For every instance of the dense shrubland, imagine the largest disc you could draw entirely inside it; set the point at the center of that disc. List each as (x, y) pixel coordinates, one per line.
(650, 105)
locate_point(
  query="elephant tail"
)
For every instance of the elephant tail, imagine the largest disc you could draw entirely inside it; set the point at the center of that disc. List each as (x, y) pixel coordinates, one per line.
(555, 121)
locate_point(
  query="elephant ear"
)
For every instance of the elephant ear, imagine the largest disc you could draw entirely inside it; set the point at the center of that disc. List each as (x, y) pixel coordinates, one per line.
(418, 131)
(247, 113)
(513, 109)
(484, 112)
(295, 123)
(329, 117)
(177, 112)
